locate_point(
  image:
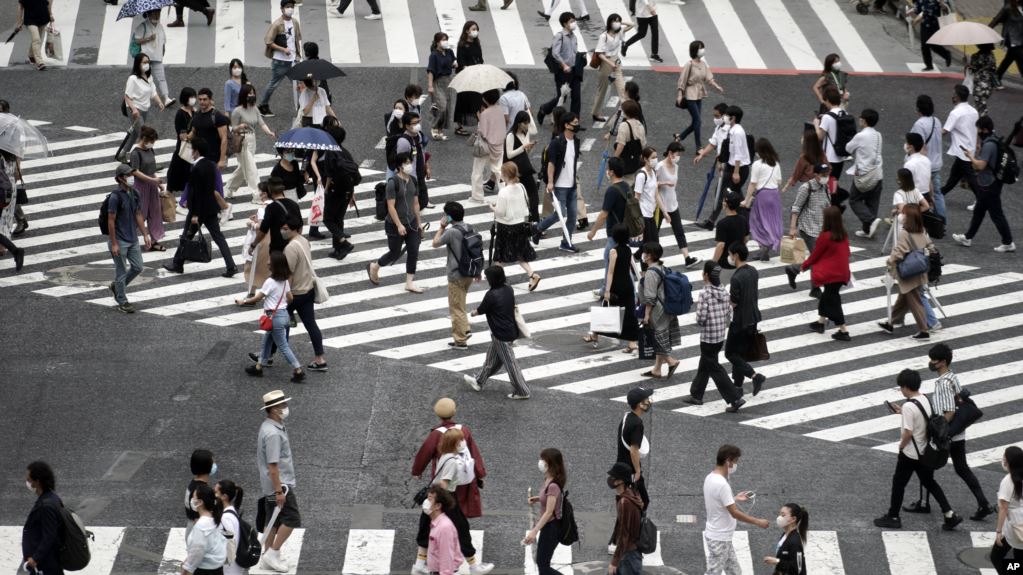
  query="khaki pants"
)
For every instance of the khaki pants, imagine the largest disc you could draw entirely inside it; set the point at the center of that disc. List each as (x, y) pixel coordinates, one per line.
(246, 174)
(482, 168)
(910, 302)
(35, 49)
(457, 291)
(602, 81)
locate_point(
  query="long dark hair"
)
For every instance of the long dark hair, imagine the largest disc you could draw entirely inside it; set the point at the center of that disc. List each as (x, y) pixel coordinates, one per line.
(464, 38)
(1014, 457)
(766, 152)
(829, 60)
(522, 117)
(279, 269)
(233, 492)
(801, 515)
(243, 96)
(555, 466)
(812, 151)
(243, 78)
(203, 492)
(136, 66)
(833, 224)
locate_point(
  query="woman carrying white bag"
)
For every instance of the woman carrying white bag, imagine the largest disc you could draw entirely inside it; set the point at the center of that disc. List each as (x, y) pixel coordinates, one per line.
(616, 316)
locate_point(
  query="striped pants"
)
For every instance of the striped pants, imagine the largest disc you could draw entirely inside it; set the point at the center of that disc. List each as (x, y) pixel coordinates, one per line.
(500, 354)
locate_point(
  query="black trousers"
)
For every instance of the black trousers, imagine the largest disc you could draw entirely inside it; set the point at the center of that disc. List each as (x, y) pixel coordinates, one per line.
(212, 225)
(958, 456)
(710, 368)
(926, 31)
(395, 243)
(644, 25)
(960, 169)
(865, 204)
(532, 195)
(575, 85)
(989, 202)
(196, 5)
(1014, 54)
(304, 305)
(677, 229)
(904, 470)
(334, 209)
(461, 524)
(730, 185)
(737, 343)
(7, 243)
(830, 304)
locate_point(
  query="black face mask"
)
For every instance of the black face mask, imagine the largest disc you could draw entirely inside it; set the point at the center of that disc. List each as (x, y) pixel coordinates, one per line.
(611, 482)
(932, 365)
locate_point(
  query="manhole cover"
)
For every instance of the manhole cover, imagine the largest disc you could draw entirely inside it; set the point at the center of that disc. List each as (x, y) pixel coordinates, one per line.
(976, 557)
(572, 341)
(93, 275)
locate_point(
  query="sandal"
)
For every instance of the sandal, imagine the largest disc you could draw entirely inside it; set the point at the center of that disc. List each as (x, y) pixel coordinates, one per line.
(534, 280)
(671, 370)
(590, 338)
(462, 132)
(156, 247)
(414, 289)
(651, 375)
(629, 349)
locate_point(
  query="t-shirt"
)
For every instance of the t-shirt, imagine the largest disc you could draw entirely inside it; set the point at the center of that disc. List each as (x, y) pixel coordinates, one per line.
(319, 109)
(946, 387)
(404, 194)
(929, 129)
(631, 130)
(646, 187)
(830, 127)
(614, 204)
(207, 126)
(300, 257)
(566, 178)
(631, 431)
(920, 166)
(140, 91)
(143, 160)
(989, 154)
(738, 147)
(644, 8)
(730, 229)
(551, 489)
(961, 126)
(273, 291)
(765, 176)
(289, 33)
(1015, 512)
(512, 102)
(916, 422)
(717, 496)
(499, 306)
(276, 214)
(37, 12)
(124, 206)
(452, 240)
(447, 469)
(668, 193)
(609, 45)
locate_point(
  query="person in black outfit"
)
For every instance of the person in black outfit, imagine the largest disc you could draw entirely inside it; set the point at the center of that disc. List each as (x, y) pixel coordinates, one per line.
(204, 205)
(194, 5)
(745, 317)
(527, 174)
(629, 441)
(341, 175)
(730, 229)
(177, 172)
(276, 215)
(620, 292)
(40, 539)
(210, 124)
(789, 557)
(470, 53)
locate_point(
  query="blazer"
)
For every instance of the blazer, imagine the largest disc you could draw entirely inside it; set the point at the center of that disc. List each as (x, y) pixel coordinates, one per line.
(792, 561)
(40, 538)
(278, 28)
(202, 183)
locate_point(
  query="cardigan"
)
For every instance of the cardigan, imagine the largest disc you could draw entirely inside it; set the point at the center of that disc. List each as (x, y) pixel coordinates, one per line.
(829, 261)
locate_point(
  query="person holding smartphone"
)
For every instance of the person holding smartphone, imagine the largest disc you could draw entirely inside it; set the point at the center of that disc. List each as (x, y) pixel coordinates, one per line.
(450, 233)
(722, 513)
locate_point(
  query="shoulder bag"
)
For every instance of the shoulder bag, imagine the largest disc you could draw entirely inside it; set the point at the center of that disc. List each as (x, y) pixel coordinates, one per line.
(967, 413)
(266, 321)
(423, 493)
(913, 263)
(480, 149)
(185, 149)
(197, 248)
(320, 288)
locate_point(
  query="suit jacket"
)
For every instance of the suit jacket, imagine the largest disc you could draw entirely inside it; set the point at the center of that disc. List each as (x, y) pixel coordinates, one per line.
(40, 538)
(468, 496)
(202, 184)
(792, 561)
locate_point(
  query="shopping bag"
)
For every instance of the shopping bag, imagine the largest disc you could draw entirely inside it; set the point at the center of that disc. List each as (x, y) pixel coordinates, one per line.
(793, 250)
(316, 208)
(168, 207)
(606, 319)
(197, 248)
(947, 19)
(54, 47)
(757, 351)
(520, 322)
(646, 343)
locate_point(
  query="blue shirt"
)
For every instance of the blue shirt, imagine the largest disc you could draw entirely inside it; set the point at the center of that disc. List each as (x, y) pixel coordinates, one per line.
(124, 206)
(231, 90)
(440, 64)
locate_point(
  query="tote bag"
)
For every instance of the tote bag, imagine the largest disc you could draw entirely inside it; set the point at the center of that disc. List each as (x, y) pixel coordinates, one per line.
(606, 319)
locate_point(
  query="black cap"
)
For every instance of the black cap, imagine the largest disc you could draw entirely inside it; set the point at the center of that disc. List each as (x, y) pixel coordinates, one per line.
(621, 472)
(821, 168)
(637, 395)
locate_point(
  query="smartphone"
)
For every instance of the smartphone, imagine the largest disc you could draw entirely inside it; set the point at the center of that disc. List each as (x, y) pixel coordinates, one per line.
(889, 405)
(963, 148)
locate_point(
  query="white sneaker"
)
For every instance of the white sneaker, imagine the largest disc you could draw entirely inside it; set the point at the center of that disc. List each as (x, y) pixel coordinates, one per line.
(374, 17)
(420, 569)
(862, 234)
(1006, 247)
(937, 326)
(611, 548)
(274, 562)
(970, 207)
(963, 240)
(873, 227)
(481, 568)
(471, 382)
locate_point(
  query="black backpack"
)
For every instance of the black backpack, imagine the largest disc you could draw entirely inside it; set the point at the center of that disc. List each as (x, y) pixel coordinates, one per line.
(104, 212)
(845, 130)
(470, 264)
(936, 450)
(542, 172)
(934, 270)
(632, 153)
(1006, 170)
(568, 531)
(647, 541)
(247, 542)
(380, 192)
(341, 167)
(725, 153)
(73, 553)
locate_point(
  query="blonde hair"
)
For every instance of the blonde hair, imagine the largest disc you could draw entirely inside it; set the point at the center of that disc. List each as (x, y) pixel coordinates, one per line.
(510, 171)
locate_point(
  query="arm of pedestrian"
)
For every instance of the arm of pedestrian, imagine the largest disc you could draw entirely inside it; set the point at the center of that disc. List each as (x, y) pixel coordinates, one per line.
(905, 438)
(141, 223)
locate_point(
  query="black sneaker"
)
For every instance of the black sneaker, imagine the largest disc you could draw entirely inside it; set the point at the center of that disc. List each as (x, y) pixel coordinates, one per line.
(570, 249)
(816, 326)
(254, 371)
(172, 269)
(734, 407)
(535, 238)
(886, 522)
(791, 273)
(921, 335)
(758, 382)
(255, 359)
(459, 346)
(656, 58)
(265, 112)
(19, 259)
(692, 400)
(815, 292)
(982, 512)
(298, 377)
(841, 336)
(317, 235)
(582, 224)
(951, 522)
(917, 507)
(229, 273)
(126, 308)
(887, 327)
(691, 262)
(545, 17)
(317, 366)
(706, 224)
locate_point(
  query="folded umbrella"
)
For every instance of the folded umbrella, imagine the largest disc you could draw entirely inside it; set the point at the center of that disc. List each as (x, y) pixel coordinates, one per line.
(314, 69)
(480, 78)
(307, 139)
(11, 37)
(965, 34)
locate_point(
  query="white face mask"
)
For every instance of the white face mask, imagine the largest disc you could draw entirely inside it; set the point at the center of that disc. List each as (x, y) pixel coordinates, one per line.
(734, 466)
(416, 129)
(836, 66)
(909, 150)
(542, 466)
(29, 485)
(573, 26)
(236, 72)
(398, 112)
(652, 162)
(285, 412)
(474, 33)
(130, 180)
(726, 119)
(288, 12)
(616, 26)
(191, 102)
(445, 44)
(194, 504)
(427, 506)
(145, 67)
(1005, 466)
(719, 121)
(701, 52)
(406, 169)
(461, 444)
(781, 521)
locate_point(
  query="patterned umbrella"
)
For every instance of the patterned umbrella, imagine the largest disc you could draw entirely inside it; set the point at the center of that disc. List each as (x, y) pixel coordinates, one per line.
(136, 7)
(307, 139)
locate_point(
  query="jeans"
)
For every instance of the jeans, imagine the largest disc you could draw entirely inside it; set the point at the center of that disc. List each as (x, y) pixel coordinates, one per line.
(279, 336)
(736, 344)
(904, 470)
(865, 204)
(566, 197)
(989, 201)
(632, 561)
(410, 241)
(130, 254)
(212, 224)
(710, 368)
(937, 197)
(304, 306)
(278, 71)
(645, 24)
(694, 107)
(960, 169)
(546, 543)
(575, 85)
(927, 29)
(928, 310)
(160, 79)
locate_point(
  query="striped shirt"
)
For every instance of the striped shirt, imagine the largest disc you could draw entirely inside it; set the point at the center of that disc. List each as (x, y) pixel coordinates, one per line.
(946, 387)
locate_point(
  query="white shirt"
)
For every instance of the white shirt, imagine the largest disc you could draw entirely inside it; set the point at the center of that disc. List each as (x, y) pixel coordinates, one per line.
(566, 179)
(916, 422)
(289, 33)
(646, 187)
(962, 128)
(929, 129)
(512, 102)
(1015, 511)
(319, 109)
(609, 44)
(921, 168)
(717, 496)
(902, 197)
(229, 523)
(830, 127)
(140, 91)
(738, 149)
(643, 8)
(865, 147)
(273, 291)
(765, 176)
(153, 49)
(719, 136)
(668, 192)
(512, 205)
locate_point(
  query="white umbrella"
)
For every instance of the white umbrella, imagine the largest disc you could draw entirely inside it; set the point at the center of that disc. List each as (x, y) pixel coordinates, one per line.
(965, 34)
(20, 138)
(480, 78)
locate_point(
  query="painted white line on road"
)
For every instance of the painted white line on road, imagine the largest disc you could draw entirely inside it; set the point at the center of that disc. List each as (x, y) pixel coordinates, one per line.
(368, 551)
(740, 46)
(344, 37)
(514, 43)
(113, 42)
(177, 40)
(984, 540)
(789, 35)
(398, 32)
(230, 39)
(851, 47)
(823, 555)
(909, 552)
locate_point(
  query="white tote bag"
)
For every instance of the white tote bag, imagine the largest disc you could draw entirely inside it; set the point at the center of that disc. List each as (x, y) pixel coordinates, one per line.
(606, 319)
(316, 208)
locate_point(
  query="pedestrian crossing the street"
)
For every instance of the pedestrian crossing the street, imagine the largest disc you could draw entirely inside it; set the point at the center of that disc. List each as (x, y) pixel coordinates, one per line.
(826, 390)
(740, 35)
(383, 551)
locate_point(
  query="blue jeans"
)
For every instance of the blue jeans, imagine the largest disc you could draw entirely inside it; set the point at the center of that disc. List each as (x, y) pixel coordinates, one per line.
(928, 310)
(631, 564)
(278, 71)
(936, 195)
(694, 107)
(132, 255)
(566, 198)
(279, 335)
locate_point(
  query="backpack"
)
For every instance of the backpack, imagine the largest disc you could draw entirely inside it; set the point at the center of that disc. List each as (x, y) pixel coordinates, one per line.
(845, 130)
(633, 215)
(632, 152)
(341, 167)
(1006, 170)
(936, 450)
(380, 192)
(247, 546)
(470, 264)
(542, 172)
(466, 467)
(934, 271)
(568, 531)
(104, 212)
(725, 153)
(647, 541)
(678, 293)
(73, 553)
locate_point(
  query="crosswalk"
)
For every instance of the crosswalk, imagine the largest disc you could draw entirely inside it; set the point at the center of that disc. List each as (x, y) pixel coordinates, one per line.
(383, 551)
(819, 388)
(739, 35)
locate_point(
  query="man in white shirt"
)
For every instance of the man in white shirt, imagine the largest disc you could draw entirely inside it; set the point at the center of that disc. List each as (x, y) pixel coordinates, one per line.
(562, 162)
(737, 168)
(284, 48)
(827, 131)
(865, 193)
(722, 513)
(961, 126)
(912, 443)
(919, 164)
(714, 145)
(929, 129)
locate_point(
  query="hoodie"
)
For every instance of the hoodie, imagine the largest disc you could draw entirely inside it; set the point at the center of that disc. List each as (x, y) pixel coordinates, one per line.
(629, 514)
(713, 313)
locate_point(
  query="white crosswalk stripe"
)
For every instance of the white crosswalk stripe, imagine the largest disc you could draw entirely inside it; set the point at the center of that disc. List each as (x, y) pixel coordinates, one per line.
(402, 37)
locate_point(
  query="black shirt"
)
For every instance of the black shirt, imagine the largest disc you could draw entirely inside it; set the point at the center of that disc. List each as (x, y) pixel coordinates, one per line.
(499, 306)
(743, 292)
(614, 204)
(632, 435)
(730, 229)
(206, 125)
(293, 180)
(274, 217)
(37, 12)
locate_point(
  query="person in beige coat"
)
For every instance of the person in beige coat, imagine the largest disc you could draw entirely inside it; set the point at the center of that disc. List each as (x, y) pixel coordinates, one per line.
(912, 237)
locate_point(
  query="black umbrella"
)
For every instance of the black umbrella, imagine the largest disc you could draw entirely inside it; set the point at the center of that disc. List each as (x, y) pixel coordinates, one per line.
(13, 34)
(314, 69)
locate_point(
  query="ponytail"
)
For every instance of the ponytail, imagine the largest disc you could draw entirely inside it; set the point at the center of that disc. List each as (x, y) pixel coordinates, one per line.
(802, 517)
(235, 494)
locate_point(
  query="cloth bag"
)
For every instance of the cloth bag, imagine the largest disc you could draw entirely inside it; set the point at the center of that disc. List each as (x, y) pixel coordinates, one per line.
(168, 208)
(646, 343)
(606, 319)
(480, 149)
(54, 46)
(793, 250)
(757, 350)
(197, 248)
(520, 323)
(316, 208)
(321, 294)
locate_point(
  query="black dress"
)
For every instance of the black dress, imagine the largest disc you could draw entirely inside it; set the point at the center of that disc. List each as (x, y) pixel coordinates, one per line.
(468, 103)
(527, 175)
(177, 173)
(623, 294)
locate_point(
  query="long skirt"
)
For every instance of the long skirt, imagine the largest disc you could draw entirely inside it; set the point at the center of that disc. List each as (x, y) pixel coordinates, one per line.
(765, 218)
(152, 208)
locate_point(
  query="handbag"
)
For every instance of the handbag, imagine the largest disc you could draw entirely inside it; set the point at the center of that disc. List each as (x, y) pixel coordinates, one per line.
(266, 321)
(54, 47)
(913, 263)
(606, 319)
(594, 61)
(480, 149)
(423, 493)
(168, 207)
(520, 323)
(792, 251)
(531, 131)
(685, 82)
(235, 140)
(321, 294)
(197, 248)
(967, 413)
(646, 343)
(20, 194)
(317, 205)
(757, 351)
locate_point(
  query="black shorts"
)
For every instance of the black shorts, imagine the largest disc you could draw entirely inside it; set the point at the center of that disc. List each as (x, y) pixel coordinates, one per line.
(289, 515)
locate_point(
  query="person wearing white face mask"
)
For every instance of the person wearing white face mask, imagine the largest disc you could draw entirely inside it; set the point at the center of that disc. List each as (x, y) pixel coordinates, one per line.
(788, 558)
(723, 514)
(139, 95)
(206, 544)
(40, 548)
(545, 532)
(202, 466)
(438, 75)
(152, 41)
(124, 220)
(403, 225)
(233, 85)
(832, 75)
(608, 52)
(692, 89)
(276, 480)
(470, 53)
(1009, 532)
(283, 42)
(649, 195)
(444, 555)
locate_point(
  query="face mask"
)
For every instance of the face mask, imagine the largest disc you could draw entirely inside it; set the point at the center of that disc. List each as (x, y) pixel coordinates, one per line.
(407, 169)
(145, 67)
(251, 99)
(726, 119)
(836, 66)
(194, 504)
(130, 180)
(416, 129)
(155, 21)
(909, 149)
(1005, 466)
(933, 366)
(733, 467)
(542, 466)
(573, 26)
(652, 162)
(191, 102)
(289, 157)
(398, 112)
(616, 26)
(236, 72)
(700, 53)
(285, 413)
(461, 444)
(719, 121)
(731, 261)
(781, 521)
(289, 11)
(445, 44)
(213, 470)
(29, 485)
(474, 33)
(427, 506)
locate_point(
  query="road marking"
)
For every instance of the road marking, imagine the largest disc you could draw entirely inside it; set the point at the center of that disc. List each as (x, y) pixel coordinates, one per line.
(103, 549)
(477, 542)
(514, 43)
(851, 47)
(81, 129)
(450, 18)
(791, 38)
(561, 561)
(823, 555)
(114, 40)
(909, 552)
(368, 551)
(398, 32)
(990, 455)
(344, 37)
(230, 39)
(985, 540)
(177, 41)
(985, 427)
(740, 542)
(740, 46)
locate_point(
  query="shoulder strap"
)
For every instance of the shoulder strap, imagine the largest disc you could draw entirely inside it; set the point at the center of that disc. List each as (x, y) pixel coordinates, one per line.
(924, 413)
(933, 127)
